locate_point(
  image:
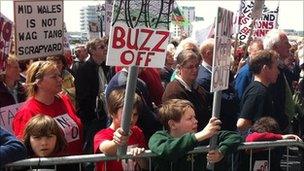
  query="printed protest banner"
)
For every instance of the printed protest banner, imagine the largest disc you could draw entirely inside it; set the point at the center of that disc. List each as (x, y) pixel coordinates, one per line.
(262, 25)
(39, 28)
(7, 115)
(69, 127)
(222, 50)
(139, 33)
(6, 26)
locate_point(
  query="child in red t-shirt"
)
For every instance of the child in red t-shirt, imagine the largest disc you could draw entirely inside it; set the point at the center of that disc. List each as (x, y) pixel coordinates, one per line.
(266, 129)
(107, 140)
(43, 137)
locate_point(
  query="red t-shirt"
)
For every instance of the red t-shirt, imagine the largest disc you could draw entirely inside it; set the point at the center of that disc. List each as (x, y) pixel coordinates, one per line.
(62, 111)
(136, 139)
(265, 136)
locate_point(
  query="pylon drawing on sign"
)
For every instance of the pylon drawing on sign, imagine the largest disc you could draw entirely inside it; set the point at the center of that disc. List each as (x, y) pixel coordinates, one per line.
(147, 13)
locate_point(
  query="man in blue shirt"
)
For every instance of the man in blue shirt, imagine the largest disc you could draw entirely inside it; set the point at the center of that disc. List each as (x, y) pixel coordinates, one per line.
(244, 77)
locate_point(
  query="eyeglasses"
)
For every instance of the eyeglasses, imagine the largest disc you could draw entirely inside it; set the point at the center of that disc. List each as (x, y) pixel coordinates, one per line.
(191, 66)
(101, 47)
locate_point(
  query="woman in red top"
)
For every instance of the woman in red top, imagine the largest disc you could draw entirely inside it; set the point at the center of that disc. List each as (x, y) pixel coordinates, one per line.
(43, 83)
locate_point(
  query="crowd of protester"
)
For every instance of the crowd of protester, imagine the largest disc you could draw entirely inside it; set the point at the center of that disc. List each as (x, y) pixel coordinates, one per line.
(76, 107)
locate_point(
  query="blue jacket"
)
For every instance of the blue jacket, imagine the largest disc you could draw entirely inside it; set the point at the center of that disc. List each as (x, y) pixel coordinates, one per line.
(11, 149)
(242, 80)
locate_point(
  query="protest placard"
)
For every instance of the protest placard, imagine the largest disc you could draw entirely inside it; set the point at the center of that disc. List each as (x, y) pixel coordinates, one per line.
(136, 39)
(5, 40)
(7, 115)
(262, 25)
(39, 28)
(222, 50)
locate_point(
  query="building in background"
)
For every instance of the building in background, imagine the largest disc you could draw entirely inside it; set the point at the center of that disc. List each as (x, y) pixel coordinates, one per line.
(189, 14)
(89, 23)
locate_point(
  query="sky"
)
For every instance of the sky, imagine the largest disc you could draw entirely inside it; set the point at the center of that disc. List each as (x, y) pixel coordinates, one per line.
(291, 15)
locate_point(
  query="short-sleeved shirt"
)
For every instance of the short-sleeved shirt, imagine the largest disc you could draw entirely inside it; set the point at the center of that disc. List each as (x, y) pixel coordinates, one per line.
(256, 102)
(62, 110)
(136, 139)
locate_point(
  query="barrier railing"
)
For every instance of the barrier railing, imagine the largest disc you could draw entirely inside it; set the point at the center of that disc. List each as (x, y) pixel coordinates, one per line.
(148, 154)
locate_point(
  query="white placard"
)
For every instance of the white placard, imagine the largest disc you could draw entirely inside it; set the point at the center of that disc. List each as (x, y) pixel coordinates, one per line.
(39, 28)
(262, 25)
(222, 50)
(139, 36)
(7, 114)
(69, 127)
(142, 46)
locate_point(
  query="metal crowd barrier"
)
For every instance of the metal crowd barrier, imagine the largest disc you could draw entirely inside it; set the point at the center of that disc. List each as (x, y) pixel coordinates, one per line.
(93, 158)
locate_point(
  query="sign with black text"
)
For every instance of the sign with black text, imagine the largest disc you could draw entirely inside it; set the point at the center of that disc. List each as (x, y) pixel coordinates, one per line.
(222, 50)
(69, 127)
(267, 21)
(39, 28)
(7, 114)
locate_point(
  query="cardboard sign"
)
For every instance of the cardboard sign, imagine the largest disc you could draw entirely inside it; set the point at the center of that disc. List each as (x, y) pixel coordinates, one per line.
(7, 114)
(136, 39)
(222, 50)
(39, 28)
(5, 40)
(262, 25)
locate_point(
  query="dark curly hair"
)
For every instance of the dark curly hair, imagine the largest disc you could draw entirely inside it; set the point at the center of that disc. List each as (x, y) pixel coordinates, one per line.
(266, 124)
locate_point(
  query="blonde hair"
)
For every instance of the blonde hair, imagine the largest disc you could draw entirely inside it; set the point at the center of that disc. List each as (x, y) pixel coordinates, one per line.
(206, 45)
(40, 126)
(36, 72)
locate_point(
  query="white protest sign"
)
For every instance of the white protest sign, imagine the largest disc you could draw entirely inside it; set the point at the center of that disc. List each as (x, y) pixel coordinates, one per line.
(222, 50)
(69, 127)
(39, 28)
(136, 39)
(5, 39)
(7, 115)
(262, 25)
